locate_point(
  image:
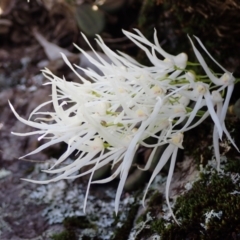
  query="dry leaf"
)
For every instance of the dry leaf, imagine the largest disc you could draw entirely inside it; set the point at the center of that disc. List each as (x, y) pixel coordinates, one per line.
(52, 50)
(6, 6)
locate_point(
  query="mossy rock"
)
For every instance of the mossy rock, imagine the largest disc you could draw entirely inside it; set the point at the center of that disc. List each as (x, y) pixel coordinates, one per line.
(207, 194)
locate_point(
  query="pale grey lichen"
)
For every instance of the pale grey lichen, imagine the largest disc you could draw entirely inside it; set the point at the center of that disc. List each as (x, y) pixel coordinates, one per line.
(4, 173)
(3, 224)
(62, 201)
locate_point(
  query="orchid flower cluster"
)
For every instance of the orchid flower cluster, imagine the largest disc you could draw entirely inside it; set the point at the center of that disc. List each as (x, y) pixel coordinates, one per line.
(107, 118)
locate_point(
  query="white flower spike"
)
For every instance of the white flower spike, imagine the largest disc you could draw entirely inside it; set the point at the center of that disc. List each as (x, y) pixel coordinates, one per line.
(108, 119)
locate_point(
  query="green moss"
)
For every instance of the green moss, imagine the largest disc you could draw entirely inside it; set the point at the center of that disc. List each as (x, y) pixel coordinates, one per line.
(158, 225)
(213, 192)
(233, 165)
(153, 206)
(123, 232)
(65, 235)
(72, 226)
(209, 193)
(155, 202)
(77, 222)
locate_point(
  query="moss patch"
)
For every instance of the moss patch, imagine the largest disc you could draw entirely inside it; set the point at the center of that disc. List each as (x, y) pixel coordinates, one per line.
(123, 232)
(73, 226)
(209, 210)
(65, 235)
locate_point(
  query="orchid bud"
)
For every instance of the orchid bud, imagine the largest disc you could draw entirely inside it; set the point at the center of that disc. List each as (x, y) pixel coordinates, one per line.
(216, 97)
(181, 60)
(177, 139)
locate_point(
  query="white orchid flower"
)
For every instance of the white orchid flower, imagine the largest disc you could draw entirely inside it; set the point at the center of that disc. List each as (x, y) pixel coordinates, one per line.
(107, 119)
(225, 81)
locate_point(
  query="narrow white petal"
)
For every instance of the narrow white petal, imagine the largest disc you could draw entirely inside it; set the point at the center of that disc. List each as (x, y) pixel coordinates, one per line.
(226, 102)
(29, 123)
(216, 146)
(89, 182)
(169, 178)
(192, 114)
(163, 160)
(214, 79)
(70, 65)
(229, 136)
(203, 47)
(213, 114)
